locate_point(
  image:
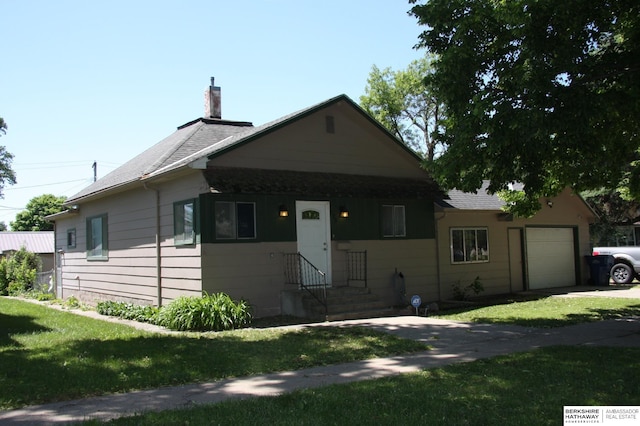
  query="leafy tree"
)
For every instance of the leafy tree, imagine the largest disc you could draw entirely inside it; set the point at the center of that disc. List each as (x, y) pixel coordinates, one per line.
(613, 211)
(33, 218)
(402, 102)
(545, 93)
(7, 175)
(3, 226)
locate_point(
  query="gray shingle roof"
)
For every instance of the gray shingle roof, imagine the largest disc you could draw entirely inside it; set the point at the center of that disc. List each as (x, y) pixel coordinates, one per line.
(195, 140)
(35, 241)
(480, 200)
(183, 143)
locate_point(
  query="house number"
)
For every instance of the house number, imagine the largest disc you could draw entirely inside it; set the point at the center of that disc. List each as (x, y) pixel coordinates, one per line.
(311, 214)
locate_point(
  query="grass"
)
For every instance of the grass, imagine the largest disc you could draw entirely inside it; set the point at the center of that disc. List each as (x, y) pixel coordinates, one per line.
(50, 355)
(548, 312)
(524, 388)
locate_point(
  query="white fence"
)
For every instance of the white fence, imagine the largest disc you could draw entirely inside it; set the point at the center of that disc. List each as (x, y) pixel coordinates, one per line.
(45, 281)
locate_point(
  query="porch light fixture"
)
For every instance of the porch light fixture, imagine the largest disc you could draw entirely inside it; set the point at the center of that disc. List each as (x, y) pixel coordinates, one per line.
(282, 211)
(344, 213)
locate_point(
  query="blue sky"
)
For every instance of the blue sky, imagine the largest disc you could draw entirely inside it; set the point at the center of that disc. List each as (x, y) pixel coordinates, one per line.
(85, 81)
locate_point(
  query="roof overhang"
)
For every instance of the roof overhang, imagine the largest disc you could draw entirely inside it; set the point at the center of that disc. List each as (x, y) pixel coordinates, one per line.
(71, 211)
(288, 182)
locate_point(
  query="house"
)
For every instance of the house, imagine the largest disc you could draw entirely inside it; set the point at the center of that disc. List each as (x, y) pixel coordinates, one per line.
(275, 214)
(476, 238)
(322, 195)
(38, 242)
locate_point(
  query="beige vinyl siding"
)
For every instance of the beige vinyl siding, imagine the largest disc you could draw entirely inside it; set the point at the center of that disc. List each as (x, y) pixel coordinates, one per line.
(130, 272)
(415, 259)
(255, 271)
(354, 148)
(249, 271)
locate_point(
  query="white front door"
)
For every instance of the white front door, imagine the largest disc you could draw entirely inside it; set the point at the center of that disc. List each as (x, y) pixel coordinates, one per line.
(314, 234)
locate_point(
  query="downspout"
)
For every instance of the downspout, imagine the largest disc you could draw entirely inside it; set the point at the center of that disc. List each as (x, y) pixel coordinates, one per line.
(158, 249)
(438, 219)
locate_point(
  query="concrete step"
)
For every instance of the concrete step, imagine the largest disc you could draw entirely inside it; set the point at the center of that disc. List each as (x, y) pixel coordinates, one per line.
(370, 313)
(347, 302)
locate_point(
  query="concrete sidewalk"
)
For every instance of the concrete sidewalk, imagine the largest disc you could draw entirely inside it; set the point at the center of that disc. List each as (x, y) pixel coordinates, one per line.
(452, 342)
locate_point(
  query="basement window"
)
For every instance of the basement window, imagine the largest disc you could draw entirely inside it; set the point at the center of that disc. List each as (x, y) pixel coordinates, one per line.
(469, 245)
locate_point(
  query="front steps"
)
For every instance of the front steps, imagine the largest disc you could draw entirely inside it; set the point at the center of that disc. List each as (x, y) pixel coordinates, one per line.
(342, 303)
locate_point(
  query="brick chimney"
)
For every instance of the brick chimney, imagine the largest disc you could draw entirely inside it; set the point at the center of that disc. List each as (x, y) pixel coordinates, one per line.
(212, 102)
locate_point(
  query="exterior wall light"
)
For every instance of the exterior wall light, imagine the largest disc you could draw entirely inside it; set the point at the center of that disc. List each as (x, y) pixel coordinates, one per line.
(282, 211)
(344, 212)
(550, 203)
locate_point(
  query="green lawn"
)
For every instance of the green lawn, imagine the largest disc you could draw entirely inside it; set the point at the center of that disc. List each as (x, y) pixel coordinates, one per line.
(524, 389)
(50, 355)
(549, 311)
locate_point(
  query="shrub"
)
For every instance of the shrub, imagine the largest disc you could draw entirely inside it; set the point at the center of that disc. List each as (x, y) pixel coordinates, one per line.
(128, 311)
(4, 279)
(18, 272)
(462, 293)
(215, 312)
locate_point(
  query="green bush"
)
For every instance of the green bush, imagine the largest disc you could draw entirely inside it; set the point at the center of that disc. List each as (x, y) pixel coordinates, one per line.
(18, 272)
(462, 293)
(215, 312)
(4, 279)
(128, 311)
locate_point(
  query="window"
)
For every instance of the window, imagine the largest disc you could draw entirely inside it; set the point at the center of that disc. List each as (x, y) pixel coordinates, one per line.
(184, 231)
(235, 220)
(97, 237)
(393, 224)
(469, 245)
(71, 238)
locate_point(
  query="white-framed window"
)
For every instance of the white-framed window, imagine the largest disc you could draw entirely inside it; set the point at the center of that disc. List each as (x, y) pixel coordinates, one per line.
(393, 221)
(184, 220)
(235, 220)
(97, 237)
(469, 245)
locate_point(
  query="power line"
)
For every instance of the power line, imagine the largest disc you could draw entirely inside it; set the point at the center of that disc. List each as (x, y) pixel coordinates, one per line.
(76, 162)
(46, 184)
(11, 208)
(58, 166)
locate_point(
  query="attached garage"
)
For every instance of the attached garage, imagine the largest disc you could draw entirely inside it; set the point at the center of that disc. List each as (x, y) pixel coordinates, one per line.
(551, 257)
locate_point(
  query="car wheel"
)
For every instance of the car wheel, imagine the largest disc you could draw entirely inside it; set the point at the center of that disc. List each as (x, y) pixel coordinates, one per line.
(622, 273)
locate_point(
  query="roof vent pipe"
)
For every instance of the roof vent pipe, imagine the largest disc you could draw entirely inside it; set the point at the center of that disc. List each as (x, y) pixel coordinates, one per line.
(212, 101)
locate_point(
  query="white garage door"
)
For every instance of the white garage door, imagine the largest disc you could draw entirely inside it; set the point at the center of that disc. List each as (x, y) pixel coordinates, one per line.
(550, 257)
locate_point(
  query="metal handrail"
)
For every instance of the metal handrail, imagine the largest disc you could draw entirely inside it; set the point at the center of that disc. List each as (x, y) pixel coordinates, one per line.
(357, 267)
(299, 271)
